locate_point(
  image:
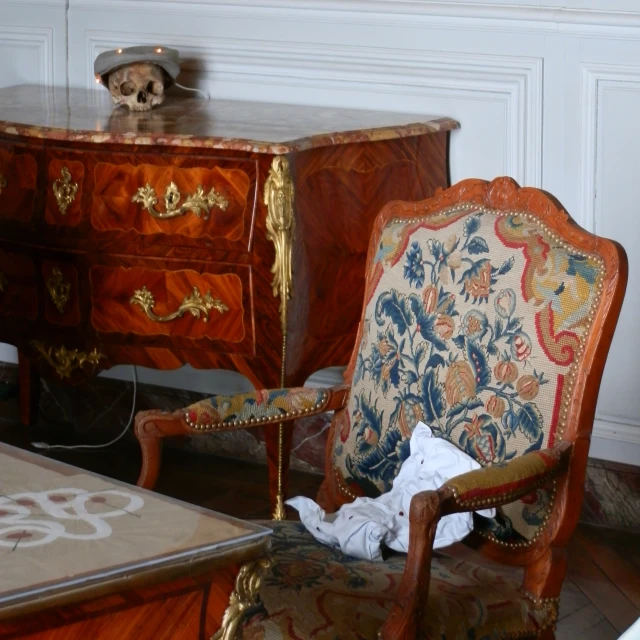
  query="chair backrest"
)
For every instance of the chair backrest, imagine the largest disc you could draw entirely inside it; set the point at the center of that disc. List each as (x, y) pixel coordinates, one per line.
(484, 306)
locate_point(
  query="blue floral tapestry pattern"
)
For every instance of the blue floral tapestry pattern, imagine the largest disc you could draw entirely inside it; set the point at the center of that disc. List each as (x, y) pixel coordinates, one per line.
(473, 327)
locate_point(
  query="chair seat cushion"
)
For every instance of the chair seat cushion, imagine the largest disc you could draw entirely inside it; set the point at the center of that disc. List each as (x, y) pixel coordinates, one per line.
(315, 592)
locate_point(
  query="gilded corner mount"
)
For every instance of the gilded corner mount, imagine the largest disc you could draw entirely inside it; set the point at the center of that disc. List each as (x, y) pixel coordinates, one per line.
(278, 197)
(243, 598)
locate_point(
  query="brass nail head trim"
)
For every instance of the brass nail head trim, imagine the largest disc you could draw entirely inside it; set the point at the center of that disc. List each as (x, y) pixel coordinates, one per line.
(64, 360)
(3, 183)
(59, 290)
(64, 191)
(194, 303)
(199, 203)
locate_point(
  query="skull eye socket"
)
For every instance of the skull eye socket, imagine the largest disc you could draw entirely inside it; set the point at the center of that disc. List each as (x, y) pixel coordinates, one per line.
(155, 87)
(127, 88)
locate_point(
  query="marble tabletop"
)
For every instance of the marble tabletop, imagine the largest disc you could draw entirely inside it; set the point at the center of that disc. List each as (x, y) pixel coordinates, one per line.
(88, 116)
(64, 530)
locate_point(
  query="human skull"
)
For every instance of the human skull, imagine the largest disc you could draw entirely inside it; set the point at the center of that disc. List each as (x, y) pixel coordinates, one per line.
(139, 86)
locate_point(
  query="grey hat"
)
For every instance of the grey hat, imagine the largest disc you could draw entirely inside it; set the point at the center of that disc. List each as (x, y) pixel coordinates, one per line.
(165, 57)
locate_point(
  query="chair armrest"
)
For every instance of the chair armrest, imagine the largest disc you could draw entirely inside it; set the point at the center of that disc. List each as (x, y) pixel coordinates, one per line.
(501, 484)
(225, 413)
(487, 487)
(259, 408)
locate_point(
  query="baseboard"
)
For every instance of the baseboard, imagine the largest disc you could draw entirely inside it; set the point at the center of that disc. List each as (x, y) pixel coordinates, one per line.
(615, 441)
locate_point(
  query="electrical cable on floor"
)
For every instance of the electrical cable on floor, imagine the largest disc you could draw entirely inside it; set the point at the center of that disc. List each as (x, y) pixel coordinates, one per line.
(48, 447)
(206, 95)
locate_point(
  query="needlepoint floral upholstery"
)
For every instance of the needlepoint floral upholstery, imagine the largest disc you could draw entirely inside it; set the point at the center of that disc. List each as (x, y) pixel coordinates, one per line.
(263, 405)
(475, 322)
(317, 593)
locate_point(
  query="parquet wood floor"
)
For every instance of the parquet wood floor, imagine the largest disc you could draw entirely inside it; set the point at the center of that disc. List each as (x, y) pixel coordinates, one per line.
(601, 594)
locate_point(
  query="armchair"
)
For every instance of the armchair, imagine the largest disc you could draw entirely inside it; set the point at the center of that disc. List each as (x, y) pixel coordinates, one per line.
(488, 314)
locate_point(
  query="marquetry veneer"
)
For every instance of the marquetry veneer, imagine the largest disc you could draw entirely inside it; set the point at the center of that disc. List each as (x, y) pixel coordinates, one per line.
(204, 232)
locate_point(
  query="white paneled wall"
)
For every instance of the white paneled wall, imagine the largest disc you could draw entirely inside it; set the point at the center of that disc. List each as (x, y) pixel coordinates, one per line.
(33, 42)
(547, 91)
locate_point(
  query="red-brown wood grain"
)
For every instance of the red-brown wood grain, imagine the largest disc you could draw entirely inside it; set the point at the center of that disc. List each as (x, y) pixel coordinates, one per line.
(18, 296)
(184, 609)
(19, 172)
(116, 184)
(112, 289)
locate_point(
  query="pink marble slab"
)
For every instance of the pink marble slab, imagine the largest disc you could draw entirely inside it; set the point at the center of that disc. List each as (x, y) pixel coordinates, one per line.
(88, 116)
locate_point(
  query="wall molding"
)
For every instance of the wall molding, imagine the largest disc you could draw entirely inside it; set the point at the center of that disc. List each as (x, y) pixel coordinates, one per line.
(596, 79)
(470, 15)
(516, 82)
(39, 38)
(45, 3)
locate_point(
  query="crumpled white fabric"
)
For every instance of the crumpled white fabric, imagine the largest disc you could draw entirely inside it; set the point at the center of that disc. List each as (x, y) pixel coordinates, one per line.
(359, 528)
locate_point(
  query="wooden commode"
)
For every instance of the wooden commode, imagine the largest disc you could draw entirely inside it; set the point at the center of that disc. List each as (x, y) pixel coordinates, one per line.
(202, 232)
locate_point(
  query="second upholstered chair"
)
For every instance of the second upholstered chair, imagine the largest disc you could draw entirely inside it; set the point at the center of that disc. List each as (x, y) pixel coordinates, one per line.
(488, 315)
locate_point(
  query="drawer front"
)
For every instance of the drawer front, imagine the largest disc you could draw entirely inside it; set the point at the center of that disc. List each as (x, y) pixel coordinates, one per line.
(18, 288)
(18, 177)
(62, 303)
(148, 302)
(209, 201)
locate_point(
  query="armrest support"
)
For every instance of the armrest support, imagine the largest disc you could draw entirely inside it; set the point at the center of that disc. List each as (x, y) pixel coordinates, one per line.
(491, 486)
(267, 406)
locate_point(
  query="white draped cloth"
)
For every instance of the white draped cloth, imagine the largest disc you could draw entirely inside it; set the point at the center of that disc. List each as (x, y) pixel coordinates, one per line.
(361, 527)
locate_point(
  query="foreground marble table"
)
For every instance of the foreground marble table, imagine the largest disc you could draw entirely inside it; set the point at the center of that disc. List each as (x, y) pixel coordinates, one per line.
(227, 235)
(84, 556)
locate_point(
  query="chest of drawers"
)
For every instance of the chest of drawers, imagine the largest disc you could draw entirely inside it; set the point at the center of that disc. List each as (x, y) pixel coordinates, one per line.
(226, 235)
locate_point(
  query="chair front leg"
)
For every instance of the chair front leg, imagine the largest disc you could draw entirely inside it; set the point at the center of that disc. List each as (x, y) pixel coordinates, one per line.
(404, 617)
(150, 428)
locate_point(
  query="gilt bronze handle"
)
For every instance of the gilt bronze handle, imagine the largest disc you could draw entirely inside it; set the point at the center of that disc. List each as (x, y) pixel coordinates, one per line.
(65, 191)
(58, 289)
(194, 303)
(64, 360)
(3, 182)
(199, 203)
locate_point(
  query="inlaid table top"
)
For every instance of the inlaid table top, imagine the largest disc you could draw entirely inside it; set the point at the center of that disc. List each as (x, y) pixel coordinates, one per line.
(88, 116)
(65, 531)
